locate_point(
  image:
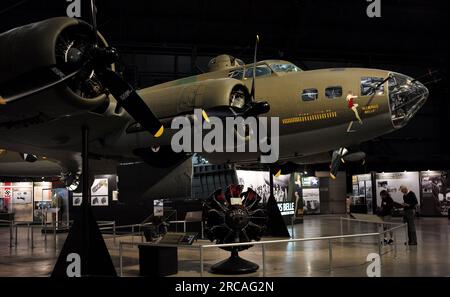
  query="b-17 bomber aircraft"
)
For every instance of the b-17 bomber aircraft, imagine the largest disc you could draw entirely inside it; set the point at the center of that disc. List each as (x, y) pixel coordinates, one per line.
(58, 75)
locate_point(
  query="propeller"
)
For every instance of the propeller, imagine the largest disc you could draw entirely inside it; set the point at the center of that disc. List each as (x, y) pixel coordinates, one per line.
(336, 160)
(252, 93)
(81, 66)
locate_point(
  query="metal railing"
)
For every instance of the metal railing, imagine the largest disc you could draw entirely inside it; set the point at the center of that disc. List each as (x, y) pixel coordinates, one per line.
(264, 243)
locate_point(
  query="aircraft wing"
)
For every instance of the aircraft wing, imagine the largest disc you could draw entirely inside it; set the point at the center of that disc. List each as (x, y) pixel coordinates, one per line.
(12, 164)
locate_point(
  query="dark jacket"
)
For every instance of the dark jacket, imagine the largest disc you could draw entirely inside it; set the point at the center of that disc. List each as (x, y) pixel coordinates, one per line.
(387, 204)
(410, 198)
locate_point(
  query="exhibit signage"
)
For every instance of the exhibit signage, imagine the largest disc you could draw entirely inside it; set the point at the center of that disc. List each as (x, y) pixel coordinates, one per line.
(435, 193)
(259, 182)
(392, 181)
(99, 192)
(158, 207)
(362, 191)
(310, 195)
(286, 208)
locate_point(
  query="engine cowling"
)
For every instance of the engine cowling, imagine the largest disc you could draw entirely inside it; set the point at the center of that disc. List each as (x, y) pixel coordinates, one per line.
(180, 99)
(45, 43)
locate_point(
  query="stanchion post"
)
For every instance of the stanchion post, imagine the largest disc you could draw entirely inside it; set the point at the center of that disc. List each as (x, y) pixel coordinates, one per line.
(132, 234)
(32, 237)
(114, 232)
(380, 248)
(330, 255)
(359, 231)
(28, 231)
(292, 226)
(11, 226)
(406, 235)
(395, 243)
(201, 222)
(201, 261)
(263, 248)
(15, 240)
(120, 259)
(54, 233)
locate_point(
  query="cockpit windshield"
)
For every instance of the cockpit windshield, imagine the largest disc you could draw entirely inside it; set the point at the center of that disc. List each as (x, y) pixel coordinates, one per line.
(284, 67)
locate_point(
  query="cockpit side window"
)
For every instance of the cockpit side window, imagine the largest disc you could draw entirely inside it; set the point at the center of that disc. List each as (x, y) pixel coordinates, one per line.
(369, 85)
(237, 73)
(284, 67)
(261, 70)
(309, 94)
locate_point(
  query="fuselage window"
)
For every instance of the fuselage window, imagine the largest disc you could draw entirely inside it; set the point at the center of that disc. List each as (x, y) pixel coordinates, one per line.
(309, 94)
(333, 92)
(369, 85)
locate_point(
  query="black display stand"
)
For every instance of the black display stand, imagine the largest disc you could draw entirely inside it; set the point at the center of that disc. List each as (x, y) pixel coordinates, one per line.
(85, 239)
(276, 226)
(157, 261)
(234, 265)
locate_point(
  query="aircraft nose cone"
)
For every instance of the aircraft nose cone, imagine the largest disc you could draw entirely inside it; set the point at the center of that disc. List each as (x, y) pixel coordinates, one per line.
(406, 97)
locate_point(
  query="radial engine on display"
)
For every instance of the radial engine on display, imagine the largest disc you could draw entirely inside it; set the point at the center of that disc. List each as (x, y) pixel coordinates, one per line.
(234, 217)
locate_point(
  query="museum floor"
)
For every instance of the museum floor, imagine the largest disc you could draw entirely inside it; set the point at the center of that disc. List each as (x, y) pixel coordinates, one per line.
(431, 257)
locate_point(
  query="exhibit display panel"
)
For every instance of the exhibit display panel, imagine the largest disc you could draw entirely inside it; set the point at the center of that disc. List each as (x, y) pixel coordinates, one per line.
(60, 206)
(392, 181)
(42, 201)
(310, 195)
(22, 201)
(6, 198)
(362, 191)
(99, 192)
(259, 182)
(435, 193)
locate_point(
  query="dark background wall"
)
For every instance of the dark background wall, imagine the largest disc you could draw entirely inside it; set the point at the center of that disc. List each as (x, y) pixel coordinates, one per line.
(164, 40)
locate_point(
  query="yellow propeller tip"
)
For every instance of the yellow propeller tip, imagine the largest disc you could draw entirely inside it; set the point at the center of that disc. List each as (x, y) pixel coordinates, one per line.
(278, 173)
(205, 116)
(160, 131)
(2, 101)
(332, 176)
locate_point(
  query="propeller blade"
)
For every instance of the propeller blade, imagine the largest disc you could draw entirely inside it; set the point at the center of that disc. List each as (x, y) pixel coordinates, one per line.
(127, 97)
(93, 11)
(252, 93)
(336, 160)
(35, 81)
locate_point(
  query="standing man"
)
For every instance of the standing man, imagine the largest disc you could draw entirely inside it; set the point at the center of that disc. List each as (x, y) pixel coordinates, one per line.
(385, 212)
(409, 206)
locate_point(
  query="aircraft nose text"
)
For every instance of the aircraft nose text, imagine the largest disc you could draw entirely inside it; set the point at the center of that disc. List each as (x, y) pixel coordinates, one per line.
(406, 97)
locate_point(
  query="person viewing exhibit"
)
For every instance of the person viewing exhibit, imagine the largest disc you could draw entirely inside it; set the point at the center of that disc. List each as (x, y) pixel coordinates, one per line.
(385, 212)
(409, 206)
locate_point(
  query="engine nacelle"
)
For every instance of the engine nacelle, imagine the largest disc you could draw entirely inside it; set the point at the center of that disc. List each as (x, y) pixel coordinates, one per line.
(42, 44)
(184, 98)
